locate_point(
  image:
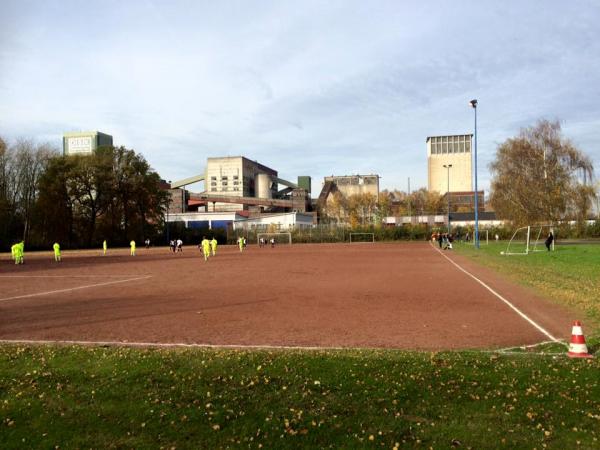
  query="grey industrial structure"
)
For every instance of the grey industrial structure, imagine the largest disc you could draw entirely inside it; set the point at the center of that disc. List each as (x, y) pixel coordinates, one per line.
(348, 185)
(235, 184)
(85, 142)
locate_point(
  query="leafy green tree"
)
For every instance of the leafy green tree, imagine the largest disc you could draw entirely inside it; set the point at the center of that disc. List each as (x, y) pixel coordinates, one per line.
(113, 194)
(540, 176)
(55, 205)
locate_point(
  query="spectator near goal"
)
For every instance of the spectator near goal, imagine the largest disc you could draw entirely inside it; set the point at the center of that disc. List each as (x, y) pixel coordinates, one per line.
(549, 240)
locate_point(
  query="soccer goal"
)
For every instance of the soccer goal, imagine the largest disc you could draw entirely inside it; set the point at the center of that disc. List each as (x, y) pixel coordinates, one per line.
(278, 238)
(519, 242)
(362, 237)
(539, 233)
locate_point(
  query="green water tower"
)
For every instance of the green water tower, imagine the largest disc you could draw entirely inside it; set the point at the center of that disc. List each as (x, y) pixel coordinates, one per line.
(304, 183)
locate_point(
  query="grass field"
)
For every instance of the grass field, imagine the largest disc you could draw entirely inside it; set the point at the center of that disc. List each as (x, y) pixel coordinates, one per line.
(76, 397)
(570, 275)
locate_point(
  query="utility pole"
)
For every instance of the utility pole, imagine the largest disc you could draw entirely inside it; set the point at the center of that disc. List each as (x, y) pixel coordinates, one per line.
(474, 106)
(408, 199)
(448, 166)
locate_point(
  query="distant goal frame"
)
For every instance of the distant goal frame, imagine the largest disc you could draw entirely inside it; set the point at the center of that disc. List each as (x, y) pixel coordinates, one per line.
(530, 247)
(363, 242)
(280, 233)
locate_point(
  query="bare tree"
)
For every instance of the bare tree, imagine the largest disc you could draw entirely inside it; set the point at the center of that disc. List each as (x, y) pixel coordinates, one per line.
(21, 166)
(30, 162)
(540, 176)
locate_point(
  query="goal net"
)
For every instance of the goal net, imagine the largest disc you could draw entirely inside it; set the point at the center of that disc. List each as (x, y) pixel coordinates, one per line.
(539, 234)
(278, 238)
(362, 237)
(519, 242)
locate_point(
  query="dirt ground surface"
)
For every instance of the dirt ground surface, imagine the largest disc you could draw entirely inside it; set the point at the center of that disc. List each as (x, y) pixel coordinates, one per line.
(392, 295)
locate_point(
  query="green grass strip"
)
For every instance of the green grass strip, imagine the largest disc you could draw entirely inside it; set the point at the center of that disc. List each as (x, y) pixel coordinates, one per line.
(95, 397)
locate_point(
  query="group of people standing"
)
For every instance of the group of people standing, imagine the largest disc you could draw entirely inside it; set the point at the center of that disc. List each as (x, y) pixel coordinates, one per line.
(444, 240)
(176, 245)
(262, 242)
(207, 247)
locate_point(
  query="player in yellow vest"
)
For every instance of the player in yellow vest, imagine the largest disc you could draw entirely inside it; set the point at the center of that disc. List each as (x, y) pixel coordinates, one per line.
(205, 248)
(132, 245)
(104, 247)
(213, 245)
(14, 251)
(241, 243)
(56, 248)
(21, 254)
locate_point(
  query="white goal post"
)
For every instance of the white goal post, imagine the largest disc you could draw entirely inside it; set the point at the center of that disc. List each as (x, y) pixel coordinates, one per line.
(519, 242)
(362, 238)
(279, 238)
(540, 232)
(526, 240)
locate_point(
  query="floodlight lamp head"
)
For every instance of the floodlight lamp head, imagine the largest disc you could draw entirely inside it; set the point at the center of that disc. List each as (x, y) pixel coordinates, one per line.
(473, 103)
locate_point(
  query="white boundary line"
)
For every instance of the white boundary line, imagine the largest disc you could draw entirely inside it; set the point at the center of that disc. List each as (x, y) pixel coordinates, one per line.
(73, 289)
(510, 305)
(67, 276)
(250, 347)
(183, 345)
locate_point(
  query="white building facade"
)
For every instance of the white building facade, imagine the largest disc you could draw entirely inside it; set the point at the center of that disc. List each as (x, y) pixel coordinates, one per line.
(452, 150)
(236, 176)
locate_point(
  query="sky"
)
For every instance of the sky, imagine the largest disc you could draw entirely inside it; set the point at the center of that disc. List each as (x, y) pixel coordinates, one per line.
(307, 88)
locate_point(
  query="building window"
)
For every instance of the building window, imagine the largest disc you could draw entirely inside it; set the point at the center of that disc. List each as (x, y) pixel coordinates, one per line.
(235, 177)
(224, 183)
(235, 183)
(224, 178)
(213, 189)
(213, 183)
(213, 178)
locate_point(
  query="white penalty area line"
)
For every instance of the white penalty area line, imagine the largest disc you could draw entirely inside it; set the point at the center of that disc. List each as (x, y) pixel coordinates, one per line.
(87, 286)
(509, 304)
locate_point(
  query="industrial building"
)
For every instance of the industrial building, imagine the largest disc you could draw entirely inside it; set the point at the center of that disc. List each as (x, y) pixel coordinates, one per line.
(281, 221)
(348, 185)
(449, 166)
(85, 142)
(238, 186)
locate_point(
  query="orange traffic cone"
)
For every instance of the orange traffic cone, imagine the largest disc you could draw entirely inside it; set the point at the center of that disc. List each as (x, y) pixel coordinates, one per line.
(577, 347)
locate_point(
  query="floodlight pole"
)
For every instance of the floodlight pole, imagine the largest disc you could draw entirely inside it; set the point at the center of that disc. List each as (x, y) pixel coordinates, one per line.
(448, 166)
(168, 207)
(474, 106)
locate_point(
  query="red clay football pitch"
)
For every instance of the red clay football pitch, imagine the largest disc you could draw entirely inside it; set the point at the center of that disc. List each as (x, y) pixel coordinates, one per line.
(389, 295)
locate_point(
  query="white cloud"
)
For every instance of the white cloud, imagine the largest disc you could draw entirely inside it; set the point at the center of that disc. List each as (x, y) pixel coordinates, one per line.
(313, 88)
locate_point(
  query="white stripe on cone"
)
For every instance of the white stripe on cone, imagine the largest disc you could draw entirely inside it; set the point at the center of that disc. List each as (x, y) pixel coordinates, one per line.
(578, 348)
